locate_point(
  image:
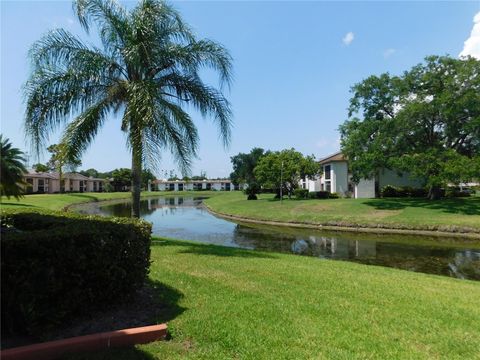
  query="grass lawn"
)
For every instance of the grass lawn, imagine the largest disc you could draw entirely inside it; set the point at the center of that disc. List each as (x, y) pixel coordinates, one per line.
(61, 201)
(227, 303)
(401, 213)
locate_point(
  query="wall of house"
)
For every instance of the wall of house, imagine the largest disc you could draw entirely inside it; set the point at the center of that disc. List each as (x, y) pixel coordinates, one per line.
(339, 177)
(389, 177)
(365, 189)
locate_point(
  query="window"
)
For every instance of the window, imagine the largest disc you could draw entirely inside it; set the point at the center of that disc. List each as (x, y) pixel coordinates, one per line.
(41, 185)
(209, 186)
(326, 171)
(171, 187)
(180, 187)
(328, 186)
(227, 186)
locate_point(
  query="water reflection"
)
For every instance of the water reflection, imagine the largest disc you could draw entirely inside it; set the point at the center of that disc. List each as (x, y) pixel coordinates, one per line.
(185, 218)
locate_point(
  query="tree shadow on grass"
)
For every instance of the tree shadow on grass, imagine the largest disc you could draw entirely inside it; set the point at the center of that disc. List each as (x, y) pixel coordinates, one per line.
(16, 204)
(155, 303)
(213, 250)
(464, 206)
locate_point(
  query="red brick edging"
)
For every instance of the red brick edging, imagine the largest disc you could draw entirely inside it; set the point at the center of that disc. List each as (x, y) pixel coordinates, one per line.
(100, 341)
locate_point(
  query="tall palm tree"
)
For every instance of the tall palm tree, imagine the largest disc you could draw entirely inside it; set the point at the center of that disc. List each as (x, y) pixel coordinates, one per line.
(12, 170)
(147, 70)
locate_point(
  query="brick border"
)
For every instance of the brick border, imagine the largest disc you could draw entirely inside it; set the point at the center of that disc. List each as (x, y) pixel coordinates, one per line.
(99, 341)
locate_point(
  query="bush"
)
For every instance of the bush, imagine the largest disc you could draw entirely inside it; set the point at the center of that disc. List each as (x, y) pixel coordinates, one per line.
(333, 195)
(321, 194)
(456, 192)
(301, 193)
(252, 190)
(57, 266)
(389, 191)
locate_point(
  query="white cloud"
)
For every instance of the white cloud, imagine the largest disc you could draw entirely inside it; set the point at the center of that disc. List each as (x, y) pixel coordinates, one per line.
(389, 52)
(348, 38)
(471, 46)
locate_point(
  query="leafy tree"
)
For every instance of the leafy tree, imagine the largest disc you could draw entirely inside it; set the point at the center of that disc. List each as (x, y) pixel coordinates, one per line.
(12, 170)
(284, 169)
(244, 164)
(122, 178)
(90, 172)
(147, 71)
(61, 160)
(425, 122)
(40, 167)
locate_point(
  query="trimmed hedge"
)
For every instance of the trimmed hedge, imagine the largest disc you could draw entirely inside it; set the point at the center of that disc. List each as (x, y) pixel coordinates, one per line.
(57, 266)
(301, 193)
(323, 195)
(403, 191)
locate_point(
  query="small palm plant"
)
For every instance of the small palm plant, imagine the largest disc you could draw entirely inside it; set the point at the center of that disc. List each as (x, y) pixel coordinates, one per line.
(146, 71)
(12, 170)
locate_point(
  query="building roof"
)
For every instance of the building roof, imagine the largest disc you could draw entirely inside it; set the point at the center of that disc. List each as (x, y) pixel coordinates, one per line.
(55, 176)
(163, 181)
(338, 156)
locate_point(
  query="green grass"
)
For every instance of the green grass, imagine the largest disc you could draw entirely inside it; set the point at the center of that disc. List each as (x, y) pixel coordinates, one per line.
(402, 213)
(61, 201)
(228, 303)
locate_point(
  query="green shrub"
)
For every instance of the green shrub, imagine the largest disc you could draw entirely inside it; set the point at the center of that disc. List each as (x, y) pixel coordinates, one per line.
(403, 191)
(389, 191)
(57, 266)
(301, 193)
(252, 190)
(321, 194)
(456, 192)
(333, 195)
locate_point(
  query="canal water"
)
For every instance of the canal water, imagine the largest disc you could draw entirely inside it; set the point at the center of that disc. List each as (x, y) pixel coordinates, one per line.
(185, 218)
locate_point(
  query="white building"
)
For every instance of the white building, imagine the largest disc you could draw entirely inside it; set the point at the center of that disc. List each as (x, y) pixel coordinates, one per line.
(337, 179)
(190, 185)
(49, 183)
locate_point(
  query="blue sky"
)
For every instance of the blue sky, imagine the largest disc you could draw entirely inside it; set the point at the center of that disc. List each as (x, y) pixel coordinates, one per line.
(294, 63)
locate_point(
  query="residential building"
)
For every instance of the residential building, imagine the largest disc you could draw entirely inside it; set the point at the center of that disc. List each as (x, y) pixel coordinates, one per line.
(49, 183)
(184, 185)
(336, 178)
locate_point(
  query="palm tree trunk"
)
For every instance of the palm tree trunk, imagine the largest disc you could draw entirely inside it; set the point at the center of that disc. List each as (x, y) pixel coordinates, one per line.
(136, 180)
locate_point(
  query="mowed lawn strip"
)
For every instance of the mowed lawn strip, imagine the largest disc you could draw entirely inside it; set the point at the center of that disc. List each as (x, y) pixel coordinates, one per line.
(446, 214)
(239, 304)
(61, 201)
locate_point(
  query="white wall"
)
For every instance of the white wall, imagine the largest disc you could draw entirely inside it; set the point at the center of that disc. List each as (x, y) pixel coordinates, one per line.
(365, 189)
(339, 178)
(389, 177)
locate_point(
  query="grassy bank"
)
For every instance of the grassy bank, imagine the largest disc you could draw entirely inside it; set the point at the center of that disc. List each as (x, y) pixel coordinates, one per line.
(226, 303)
(457, 214)
(61, 201)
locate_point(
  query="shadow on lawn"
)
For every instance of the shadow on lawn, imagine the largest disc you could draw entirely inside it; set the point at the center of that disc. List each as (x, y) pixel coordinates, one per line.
(464, 206)
(155, 303)
(213, 250)
(16, 204)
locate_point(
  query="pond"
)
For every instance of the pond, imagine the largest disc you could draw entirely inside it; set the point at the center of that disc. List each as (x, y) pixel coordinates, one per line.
(185, 218)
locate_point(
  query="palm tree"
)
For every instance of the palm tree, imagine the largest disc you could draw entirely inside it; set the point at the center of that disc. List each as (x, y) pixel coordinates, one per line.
(12, 170)
(147, 71)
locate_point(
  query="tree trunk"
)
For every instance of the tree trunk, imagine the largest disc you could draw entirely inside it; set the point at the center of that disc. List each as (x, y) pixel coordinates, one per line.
(434, 192)
(136, 181)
